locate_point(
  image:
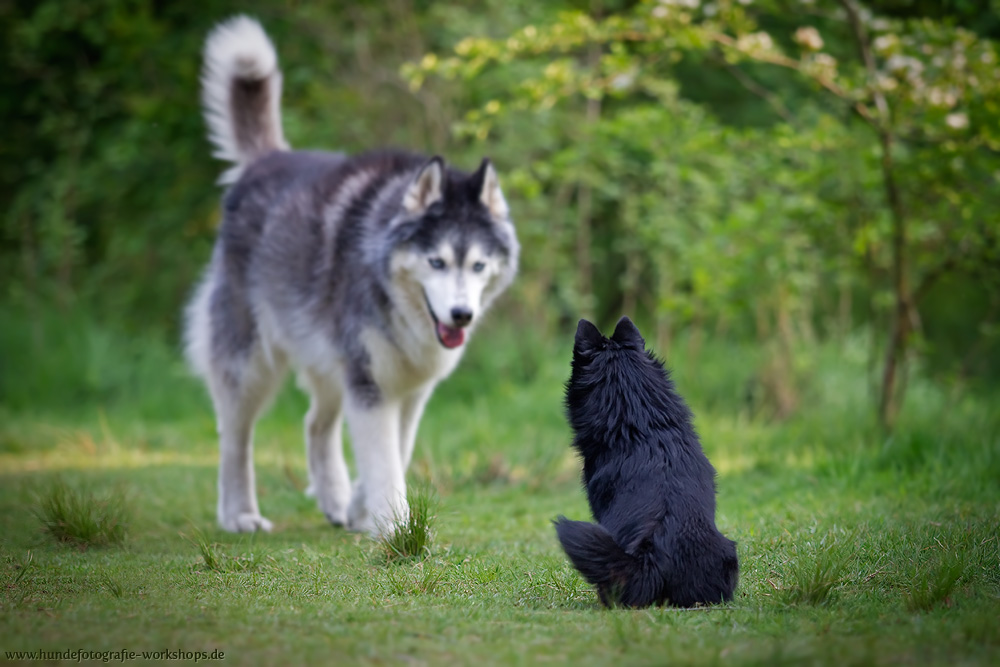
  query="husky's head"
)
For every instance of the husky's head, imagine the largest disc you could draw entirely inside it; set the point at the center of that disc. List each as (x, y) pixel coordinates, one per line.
(456, 249)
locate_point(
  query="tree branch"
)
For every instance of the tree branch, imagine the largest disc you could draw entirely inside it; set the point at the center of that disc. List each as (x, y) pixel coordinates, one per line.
(761, 92)
(861, 40)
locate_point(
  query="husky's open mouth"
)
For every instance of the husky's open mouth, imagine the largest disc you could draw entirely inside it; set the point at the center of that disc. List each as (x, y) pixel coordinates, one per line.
(450, 337)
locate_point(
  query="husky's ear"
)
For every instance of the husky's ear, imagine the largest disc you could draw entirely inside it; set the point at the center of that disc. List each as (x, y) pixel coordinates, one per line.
(626, 333)
(426, 189)
(588, 337)
(487, 186)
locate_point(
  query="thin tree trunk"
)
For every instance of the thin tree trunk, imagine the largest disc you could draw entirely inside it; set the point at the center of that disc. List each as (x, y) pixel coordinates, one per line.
(891, 394)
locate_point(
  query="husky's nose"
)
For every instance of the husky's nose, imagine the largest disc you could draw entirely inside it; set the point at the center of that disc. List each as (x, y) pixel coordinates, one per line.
(461, 316)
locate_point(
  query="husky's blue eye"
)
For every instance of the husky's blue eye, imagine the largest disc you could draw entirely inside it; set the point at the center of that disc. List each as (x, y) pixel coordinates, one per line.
(436, 263)
(478, 267)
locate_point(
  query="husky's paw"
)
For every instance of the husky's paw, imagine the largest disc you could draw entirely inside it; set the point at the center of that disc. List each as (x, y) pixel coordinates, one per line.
(246, 523)
(334, 505)
(336, 513)
(362, 525)
(374, 527)
(378, 519)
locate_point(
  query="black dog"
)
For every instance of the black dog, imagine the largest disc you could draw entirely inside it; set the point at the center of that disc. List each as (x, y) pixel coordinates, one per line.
(650, 486)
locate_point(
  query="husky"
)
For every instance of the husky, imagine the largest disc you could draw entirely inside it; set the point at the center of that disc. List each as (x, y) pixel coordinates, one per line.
(650, 486)
(365, 274)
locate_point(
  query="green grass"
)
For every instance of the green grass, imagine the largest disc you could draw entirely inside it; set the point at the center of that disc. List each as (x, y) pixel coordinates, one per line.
(816, 569)
(82, 518)
(855, 548)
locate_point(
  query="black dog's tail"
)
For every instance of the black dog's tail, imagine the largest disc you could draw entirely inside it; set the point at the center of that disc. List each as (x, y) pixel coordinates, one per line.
(620, 578)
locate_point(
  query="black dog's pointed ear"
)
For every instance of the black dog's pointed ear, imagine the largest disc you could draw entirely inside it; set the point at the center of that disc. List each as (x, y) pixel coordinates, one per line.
(588, 337)
(626, 333)
(427, 188)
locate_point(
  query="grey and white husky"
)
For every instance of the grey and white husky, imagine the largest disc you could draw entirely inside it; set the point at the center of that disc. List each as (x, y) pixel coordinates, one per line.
(365, 274)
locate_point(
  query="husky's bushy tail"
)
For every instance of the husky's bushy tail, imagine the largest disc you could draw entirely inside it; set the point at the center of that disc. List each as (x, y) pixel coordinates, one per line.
(620, 578)
(241, 94)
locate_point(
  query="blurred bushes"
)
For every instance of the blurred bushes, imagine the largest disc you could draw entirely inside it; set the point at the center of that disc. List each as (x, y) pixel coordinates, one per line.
(695, 185)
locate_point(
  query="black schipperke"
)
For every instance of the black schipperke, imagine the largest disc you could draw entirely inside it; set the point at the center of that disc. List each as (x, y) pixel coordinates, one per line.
(650, 486)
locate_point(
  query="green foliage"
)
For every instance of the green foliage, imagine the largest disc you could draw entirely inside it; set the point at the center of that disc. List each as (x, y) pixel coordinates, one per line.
(82, 519)
(710, 168)
(669, 203)
(63, 360)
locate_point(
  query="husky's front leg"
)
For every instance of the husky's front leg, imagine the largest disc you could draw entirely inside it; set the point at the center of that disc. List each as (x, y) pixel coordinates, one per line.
(412, 410)
(380, 495)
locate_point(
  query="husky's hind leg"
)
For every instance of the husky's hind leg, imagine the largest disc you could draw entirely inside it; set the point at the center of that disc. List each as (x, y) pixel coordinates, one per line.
(239, 395)
(328, 477)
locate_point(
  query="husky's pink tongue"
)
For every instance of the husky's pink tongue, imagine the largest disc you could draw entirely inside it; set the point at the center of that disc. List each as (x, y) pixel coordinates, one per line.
(451, 337)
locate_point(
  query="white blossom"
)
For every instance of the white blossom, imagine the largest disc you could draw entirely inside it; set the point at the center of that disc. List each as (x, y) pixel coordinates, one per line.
(755, 41)
(886, 82)
(906, 65)
(823, 64)
(808, 38)
(957, 121)
(885, 43)
(622, 80)
(941, 97)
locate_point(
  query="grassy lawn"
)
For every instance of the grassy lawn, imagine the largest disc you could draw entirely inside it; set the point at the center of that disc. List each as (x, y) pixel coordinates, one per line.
(855, 548)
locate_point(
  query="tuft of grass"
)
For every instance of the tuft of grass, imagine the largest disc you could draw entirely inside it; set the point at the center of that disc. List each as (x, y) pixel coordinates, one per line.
(81, 518)
(211, 555)
(933, 585)
(214, 557)
(412, 537)
(114, 587)
(812, 577)
(20, 582)
(418, 581)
